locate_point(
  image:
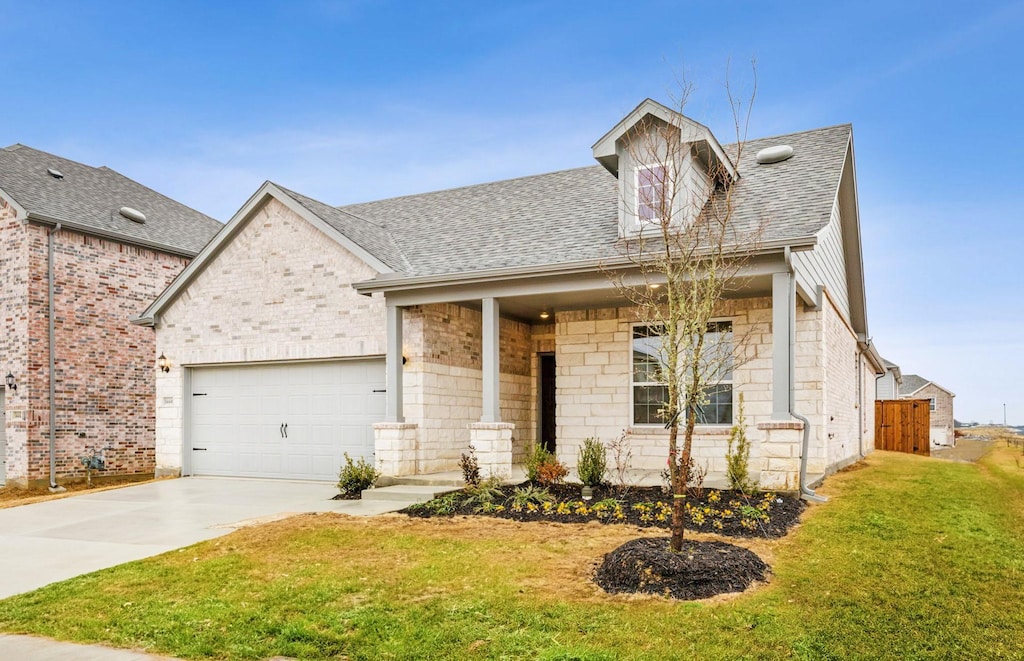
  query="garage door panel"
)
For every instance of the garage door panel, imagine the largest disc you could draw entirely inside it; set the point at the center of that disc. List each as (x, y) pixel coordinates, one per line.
(329, 409)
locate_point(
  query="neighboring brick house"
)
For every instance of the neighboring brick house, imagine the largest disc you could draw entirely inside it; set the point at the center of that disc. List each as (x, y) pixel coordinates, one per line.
(106, 264)
(406, 330)
(940, 406)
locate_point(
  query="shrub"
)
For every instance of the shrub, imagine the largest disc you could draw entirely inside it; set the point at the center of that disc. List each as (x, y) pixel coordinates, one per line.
(592, 463)
(622, 460)
(483, 496)
(355, 476)
(535, 456)
(530, 494)
(737, 457)
(470, 468)
(551, 471)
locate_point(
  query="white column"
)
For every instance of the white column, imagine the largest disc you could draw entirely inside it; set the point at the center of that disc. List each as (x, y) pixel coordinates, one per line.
(395, 412)
(783, 304)
(491, 358)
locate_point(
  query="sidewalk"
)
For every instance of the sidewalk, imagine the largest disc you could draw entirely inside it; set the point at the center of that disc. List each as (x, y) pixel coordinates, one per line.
(31, 648)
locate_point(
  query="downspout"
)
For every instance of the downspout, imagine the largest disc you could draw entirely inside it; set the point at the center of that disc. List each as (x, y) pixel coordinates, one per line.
(53, 351)
(805, 492)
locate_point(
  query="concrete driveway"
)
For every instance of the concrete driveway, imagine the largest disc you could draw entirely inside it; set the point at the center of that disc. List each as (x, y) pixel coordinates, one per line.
(59, 539)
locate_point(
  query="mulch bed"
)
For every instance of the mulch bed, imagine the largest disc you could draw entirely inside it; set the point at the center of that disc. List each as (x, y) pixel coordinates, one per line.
(717, 511)
(701, 570)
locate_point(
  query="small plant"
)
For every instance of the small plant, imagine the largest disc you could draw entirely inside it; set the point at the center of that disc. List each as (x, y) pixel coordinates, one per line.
(552, 471)
(737, 456)
(622, 461)
(470, 468)
(355, 476)
(530, 494)
(536, 455)
(592, 463)
(445, 505)
(484, 495)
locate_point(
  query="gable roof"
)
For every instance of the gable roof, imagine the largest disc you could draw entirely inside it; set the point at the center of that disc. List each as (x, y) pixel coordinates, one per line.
(572, 215)
(87, 199)
(912, 383)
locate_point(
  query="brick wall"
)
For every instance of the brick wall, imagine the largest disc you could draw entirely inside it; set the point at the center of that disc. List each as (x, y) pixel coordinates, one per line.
(279, 291)
(14, 341)
(104, 367)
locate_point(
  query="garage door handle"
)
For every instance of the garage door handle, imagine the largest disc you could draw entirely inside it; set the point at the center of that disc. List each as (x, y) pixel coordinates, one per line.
(286, 430)
(198, 449)
(380, 390)
(280, 430)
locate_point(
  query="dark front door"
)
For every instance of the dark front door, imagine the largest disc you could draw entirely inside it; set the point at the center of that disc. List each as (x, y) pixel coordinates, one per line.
(547, 401)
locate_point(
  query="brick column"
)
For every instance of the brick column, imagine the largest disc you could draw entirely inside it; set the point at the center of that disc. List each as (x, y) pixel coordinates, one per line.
(492, 443)
(395, 446)
(780, 454)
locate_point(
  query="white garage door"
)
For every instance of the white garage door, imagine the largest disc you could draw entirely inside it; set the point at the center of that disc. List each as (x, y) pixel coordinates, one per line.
(292, 421)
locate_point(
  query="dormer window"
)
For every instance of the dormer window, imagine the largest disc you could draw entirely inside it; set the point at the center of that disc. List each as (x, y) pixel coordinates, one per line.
(652, 198)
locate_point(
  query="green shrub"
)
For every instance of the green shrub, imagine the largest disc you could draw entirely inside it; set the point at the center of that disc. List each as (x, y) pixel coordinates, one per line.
(535, 456)
(592, 463)
(530, 494)
(737, 457)
(483, 496)
(355, 476)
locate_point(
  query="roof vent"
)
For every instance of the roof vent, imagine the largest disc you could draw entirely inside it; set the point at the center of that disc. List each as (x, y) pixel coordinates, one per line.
(774, 154)
(132, 214)
(55, 173)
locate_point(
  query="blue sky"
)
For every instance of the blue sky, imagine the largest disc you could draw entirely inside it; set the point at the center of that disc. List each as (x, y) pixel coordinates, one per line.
(348, 101)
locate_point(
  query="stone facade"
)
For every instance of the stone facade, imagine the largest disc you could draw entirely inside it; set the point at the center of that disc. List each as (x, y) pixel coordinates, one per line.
(104, 366)
(279, 291)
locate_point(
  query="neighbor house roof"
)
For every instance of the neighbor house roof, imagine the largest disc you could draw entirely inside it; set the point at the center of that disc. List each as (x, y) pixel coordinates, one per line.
(87, 199)
(912, 383)
(572, 215)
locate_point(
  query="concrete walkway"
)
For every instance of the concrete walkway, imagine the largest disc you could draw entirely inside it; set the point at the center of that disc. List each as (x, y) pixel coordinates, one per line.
(31, 648)
(59, 539)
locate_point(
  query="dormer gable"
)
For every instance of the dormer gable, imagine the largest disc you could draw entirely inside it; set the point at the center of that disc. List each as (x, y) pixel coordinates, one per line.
(667, 165)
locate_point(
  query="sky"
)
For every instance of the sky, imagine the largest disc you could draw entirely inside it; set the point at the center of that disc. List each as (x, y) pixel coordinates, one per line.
(348, 101)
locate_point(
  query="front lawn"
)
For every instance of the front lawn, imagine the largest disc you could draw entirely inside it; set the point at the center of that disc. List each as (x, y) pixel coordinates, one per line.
(912, 558)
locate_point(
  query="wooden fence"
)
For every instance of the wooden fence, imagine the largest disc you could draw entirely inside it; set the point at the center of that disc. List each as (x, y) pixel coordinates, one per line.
(903, 425)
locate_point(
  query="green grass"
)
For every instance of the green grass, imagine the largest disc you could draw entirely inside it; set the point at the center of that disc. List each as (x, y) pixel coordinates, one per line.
(911, 558)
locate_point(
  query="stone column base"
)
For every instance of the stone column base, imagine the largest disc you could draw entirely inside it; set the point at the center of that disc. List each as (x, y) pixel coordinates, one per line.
(395, 446)
(492, 444)
(780, 454)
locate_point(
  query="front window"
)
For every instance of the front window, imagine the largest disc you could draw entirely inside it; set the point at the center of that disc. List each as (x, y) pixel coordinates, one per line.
(651, 193)
(650, 394)
(931, 403)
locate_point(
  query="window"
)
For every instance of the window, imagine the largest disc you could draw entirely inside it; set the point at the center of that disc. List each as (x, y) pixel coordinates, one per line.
(650, 392)
(931, 403)
(651, 193)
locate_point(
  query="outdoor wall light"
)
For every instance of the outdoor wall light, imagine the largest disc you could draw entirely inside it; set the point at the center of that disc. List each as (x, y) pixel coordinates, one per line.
(9, 379)
(544, 314)
(163, 363)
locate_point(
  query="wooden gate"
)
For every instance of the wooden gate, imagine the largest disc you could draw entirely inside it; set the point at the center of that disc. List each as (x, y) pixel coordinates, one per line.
(903, 425)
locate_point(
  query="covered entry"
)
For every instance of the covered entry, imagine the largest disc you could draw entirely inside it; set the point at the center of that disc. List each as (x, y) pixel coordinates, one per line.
(286, 420)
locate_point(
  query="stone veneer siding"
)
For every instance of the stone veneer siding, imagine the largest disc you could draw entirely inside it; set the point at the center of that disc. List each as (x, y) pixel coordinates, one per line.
(104, 365)
(280, 291)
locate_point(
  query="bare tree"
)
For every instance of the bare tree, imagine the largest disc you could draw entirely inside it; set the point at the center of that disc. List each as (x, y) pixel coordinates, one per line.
(685, 255)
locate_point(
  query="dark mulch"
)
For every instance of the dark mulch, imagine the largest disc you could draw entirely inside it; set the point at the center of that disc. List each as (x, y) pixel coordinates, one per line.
(358, 495)
(701, 570)
(721, 509)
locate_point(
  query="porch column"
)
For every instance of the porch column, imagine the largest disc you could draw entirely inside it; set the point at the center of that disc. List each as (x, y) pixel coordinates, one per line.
(783, 307)
(395, 412)
(491, 358)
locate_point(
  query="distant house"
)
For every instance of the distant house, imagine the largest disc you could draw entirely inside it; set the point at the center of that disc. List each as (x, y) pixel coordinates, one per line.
(407, 330)
(83, 248)
(941, 406)
(887, 386)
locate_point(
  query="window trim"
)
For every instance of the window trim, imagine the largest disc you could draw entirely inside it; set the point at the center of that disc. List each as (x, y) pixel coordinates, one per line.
(647, 427)
(933, 404)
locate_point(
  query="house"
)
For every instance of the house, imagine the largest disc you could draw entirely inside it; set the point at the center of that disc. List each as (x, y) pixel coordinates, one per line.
(79, 376)
(940, 406)
(887, 386)
(406, 330)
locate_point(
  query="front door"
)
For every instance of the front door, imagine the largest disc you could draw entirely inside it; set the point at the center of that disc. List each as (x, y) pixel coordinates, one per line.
(546, 401)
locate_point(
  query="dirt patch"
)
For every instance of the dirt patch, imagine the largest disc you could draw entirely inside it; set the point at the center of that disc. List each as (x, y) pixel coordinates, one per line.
(721, 512)
(703, 569)
(966, 450)
(13, 496)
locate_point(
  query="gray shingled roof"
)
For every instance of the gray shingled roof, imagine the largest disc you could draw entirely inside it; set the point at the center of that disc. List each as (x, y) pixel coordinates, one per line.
(571, 215)
(91, 197)
(912, 383)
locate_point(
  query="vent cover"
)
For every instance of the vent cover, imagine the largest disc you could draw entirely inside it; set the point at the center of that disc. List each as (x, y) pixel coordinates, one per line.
(774, 154)
(55, 173)
(132, 214)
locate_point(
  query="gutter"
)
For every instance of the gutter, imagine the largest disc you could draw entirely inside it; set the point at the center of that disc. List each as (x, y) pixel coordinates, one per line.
(39, 219)
(52, 345)
(805, 491)
(393, 282)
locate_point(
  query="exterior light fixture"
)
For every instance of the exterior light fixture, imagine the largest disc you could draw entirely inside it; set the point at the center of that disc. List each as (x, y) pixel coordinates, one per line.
(9, 379)
(163, 363)
(544, 314)
(654, 285)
